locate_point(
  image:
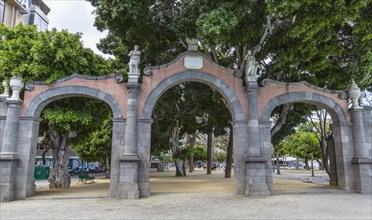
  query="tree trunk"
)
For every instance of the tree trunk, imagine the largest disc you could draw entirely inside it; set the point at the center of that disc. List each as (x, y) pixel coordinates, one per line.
(191, 158)
(229, 155)
(277, 160)
(107, 168)
(44, 153)
(180, 167)
(323, 147)
(179, 163)
(209, 153)
(306, 164)
(59, 176)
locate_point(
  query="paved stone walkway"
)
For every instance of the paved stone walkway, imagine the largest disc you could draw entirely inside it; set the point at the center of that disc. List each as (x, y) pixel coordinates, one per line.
(197, 196)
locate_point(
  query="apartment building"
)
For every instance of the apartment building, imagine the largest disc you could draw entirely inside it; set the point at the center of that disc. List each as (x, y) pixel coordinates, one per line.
(13, 12)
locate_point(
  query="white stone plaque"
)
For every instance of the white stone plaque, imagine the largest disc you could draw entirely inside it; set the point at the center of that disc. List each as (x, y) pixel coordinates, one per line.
(194, 62)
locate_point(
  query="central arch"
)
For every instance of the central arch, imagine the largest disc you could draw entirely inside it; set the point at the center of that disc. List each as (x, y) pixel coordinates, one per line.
(236, 110)
(194, 76)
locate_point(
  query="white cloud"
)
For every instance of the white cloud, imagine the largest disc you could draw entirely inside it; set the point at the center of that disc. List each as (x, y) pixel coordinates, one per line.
(75, 16)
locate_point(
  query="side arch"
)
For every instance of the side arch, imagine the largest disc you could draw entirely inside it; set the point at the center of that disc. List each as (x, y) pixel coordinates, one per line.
(334, 109)
(39, 102)
(231, 98)
(343, 146)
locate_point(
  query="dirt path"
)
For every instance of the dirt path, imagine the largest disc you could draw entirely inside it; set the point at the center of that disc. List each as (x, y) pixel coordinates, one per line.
(166, 182)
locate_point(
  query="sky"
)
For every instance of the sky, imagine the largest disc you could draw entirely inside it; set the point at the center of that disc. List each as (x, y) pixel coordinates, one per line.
(75, 16)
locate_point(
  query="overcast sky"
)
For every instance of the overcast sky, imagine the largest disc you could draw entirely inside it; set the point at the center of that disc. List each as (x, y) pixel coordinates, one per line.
(75, 16)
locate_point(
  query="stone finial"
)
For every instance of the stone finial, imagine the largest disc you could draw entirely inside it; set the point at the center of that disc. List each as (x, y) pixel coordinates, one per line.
(354, 94)
(16, 83)
(192, 44)
(6, 89)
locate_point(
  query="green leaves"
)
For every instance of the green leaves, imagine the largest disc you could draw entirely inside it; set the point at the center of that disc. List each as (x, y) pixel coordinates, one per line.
(217, 25)
(65, 119)
(179, 105)
(46, 56)
(303, 144)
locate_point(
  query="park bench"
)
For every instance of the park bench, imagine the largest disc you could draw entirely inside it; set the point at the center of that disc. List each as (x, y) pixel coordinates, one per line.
(84, 177)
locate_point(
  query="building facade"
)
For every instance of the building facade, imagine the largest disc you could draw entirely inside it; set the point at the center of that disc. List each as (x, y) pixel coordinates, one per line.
(13, 12)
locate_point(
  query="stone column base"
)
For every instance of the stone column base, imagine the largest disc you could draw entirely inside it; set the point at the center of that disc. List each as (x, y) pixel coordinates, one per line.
(128, 179)
(8, 167)
(362, 178)
(256, 179)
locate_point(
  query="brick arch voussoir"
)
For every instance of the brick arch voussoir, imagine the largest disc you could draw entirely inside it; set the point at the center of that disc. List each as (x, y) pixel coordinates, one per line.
(39, 102)
(334, 109)
(231, 98)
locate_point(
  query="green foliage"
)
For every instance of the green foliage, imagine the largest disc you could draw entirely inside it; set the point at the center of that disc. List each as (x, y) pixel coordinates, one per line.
(65, 119)
(302, 144)
(323, 42)
(46, 56)
(181, 104)
(97, 145)
(90, 119)
(51, 55)
(295, 118)
(220, 156)
(164, 157)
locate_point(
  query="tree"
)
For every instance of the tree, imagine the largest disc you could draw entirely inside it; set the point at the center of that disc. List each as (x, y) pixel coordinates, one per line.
(96, 146)
(319, 122)
(71, 122)
(303, 144)
(322, 42)
(174, 116)
(48, 56)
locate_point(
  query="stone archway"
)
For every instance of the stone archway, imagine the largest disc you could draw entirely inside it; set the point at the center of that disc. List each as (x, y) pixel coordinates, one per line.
(235, 109)
(22, 119)
(132, 105)
(36, 106)
(335, 103)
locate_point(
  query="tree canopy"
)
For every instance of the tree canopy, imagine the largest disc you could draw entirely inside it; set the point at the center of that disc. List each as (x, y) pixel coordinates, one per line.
(323, 42)
(46, 56)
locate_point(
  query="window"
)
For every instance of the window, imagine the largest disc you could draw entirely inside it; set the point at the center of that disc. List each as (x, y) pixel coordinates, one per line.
(37, 19)
(2, 10)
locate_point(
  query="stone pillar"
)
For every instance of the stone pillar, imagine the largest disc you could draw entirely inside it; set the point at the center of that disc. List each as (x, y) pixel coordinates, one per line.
(8, 155)
(367, 121)
(344, 153)
(256, 178)
(118, 132)
(128, 181)
(240, 130)
(266, 151)
(131, 129)
(332, 161)
(3, 110)
(361, 161)
(26, 148)
(144, 151)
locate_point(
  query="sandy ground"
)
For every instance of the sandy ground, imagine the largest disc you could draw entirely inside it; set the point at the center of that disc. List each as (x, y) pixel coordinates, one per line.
(197, 196)
(166, 182)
